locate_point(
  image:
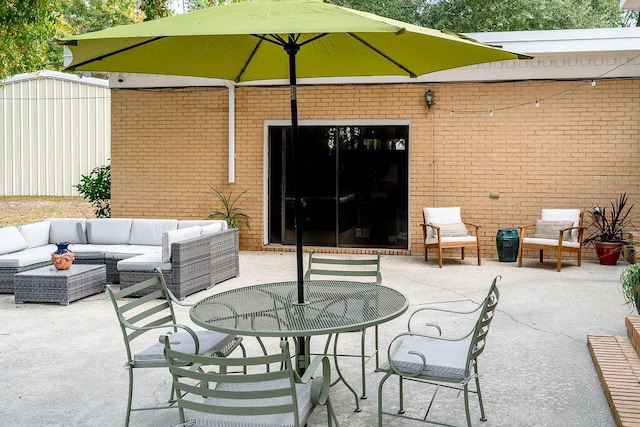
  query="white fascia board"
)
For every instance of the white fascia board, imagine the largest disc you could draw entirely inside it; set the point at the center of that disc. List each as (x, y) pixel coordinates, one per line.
(47, 74)
(590, 41)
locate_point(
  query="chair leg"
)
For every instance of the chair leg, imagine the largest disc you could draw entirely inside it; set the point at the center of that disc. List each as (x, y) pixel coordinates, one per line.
(130, 398)
(466, 404)
(541, 256)
(520, 255)
(439, 256)
(377, 349)
(579, 257)
(426, 254)
(559, 266)
(363, 357)
(482, 415)
(462, 252)
(479, 256)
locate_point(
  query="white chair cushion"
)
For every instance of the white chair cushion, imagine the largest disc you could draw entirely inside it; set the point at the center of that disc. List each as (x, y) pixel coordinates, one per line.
(211, 229)
(11, 240)
(184, 223)
(183, 342)
(551, 229)
(144, 262)
(108, 231)
(444, 358)
(149, 231)
(303, 396)
(440, 216)
(173, 236)
(36, 234)
(468, 239)
(563, 214)
(550, 242)
(27, 257)
(72, 230)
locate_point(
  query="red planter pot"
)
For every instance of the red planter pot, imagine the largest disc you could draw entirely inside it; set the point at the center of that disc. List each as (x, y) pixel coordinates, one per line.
(608, 252)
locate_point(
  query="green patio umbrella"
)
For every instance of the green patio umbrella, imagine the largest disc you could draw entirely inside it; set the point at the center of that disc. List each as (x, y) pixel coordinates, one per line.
(276, 39)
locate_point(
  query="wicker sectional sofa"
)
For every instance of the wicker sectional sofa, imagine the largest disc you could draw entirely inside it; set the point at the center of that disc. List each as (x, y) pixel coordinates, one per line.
(193, 255)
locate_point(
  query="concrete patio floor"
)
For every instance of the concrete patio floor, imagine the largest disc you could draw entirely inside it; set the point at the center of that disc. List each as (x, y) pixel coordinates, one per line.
(63, 365)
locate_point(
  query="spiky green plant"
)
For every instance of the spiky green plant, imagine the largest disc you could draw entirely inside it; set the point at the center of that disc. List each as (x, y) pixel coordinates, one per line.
(230, 212)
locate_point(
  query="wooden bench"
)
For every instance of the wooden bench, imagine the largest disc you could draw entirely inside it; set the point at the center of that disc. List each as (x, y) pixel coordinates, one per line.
(617, 362)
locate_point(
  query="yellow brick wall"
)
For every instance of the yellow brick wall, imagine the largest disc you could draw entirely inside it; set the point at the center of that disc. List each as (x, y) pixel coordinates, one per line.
(580, 147)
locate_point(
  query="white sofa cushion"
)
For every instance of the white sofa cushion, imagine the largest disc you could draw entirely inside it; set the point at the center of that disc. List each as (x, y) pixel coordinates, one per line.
(439, 216)
(108, 231)
(149, 231)
(128, 251)
(184, 223)
(173, 236)
(212, 229)
(563, 214)
(72, 230)
(36, 234)
(27, 257)
(144, 262)
(11, 240)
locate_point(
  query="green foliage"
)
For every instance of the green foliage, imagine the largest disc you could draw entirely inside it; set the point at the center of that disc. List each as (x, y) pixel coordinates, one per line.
(519, 15)
(230, 213)
(630, 283)
(154, 9)
(97, 188)
(610, 227)
(406, 10)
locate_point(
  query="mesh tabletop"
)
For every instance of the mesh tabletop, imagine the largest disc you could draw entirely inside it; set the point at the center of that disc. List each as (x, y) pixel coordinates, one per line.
(271, 309)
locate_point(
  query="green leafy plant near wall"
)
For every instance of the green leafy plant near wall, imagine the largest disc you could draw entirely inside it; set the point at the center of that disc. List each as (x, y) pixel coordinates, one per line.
(230, 212)
(96, 187)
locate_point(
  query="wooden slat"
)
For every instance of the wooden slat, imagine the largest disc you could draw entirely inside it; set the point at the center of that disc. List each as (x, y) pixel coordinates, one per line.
(618, 367)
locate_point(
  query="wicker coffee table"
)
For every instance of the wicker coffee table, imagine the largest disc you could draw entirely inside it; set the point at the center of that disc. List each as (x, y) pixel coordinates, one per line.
(46, 284)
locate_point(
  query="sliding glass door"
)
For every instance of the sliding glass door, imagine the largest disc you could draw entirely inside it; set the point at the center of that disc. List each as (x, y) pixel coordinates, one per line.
(354, 190)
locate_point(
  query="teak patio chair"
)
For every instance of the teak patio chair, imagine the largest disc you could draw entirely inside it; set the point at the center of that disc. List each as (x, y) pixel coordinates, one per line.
(444, 361)
(146, 318)
(559, 229)
(209, 395)
(362, 269)
(443, 228)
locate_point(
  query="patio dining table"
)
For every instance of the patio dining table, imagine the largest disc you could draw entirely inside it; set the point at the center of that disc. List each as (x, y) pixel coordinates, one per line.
(272, 310)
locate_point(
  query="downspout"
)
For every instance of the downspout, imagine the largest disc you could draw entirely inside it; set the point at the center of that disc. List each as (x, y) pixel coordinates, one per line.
(232, 130)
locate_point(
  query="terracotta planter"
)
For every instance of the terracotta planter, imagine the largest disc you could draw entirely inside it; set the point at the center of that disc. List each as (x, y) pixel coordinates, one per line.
(608, 252)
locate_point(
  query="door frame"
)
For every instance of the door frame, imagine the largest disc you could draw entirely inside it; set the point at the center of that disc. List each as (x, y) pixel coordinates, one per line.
(338, 122)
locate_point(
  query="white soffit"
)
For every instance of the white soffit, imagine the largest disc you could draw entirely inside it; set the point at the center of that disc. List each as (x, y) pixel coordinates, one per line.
(558, 54)
(629, 4)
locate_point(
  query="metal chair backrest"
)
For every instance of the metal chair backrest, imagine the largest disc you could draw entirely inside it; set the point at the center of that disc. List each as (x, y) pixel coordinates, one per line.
(204, 385)
(143, 314)
(479, 336)
(359, 267)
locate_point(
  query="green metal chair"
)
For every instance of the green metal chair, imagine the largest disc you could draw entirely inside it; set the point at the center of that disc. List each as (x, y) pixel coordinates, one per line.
(362, 269)
(209, 395)
(449, 362)
(144, 319)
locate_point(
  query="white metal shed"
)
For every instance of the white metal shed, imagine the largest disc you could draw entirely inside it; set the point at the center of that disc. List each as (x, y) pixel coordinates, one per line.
(54, 127)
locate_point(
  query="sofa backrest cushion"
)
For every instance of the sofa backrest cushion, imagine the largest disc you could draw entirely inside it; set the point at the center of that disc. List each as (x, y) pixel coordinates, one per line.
(174, 236)
(108, 231)
(36, 234)
(11, 240)
(184, 223)
(149, 231)
(72, 230)
(211, 229)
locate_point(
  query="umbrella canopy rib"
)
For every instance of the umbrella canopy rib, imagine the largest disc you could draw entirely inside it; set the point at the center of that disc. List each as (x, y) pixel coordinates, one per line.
(101, 57)
(399, 65)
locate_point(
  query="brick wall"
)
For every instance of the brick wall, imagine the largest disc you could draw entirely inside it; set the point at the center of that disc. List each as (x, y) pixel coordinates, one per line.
(581, 146)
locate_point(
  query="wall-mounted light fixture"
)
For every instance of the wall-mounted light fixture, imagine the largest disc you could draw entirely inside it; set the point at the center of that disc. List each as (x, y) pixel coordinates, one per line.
(428, 96)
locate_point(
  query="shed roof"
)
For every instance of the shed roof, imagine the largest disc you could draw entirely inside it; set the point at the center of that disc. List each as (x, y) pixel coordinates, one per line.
(46, 74)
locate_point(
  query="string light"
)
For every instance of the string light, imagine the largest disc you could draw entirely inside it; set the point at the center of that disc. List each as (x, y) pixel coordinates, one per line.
(537, 104)
(491, 113)
(593, 82)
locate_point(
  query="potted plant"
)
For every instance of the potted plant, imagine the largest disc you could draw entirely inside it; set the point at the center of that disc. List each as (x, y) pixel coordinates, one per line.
(609, 228)
(630, 282)
(230, 213)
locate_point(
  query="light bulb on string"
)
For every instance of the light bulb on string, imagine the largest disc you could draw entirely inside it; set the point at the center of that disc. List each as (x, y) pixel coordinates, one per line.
(537, 104)
(593, 82)
(491, 113)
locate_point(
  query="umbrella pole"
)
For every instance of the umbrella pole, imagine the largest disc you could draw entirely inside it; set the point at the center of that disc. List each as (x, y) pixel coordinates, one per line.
(292, 49)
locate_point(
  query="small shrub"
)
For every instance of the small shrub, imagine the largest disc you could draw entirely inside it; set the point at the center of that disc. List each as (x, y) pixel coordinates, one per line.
(96, 187)
(230, 213)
